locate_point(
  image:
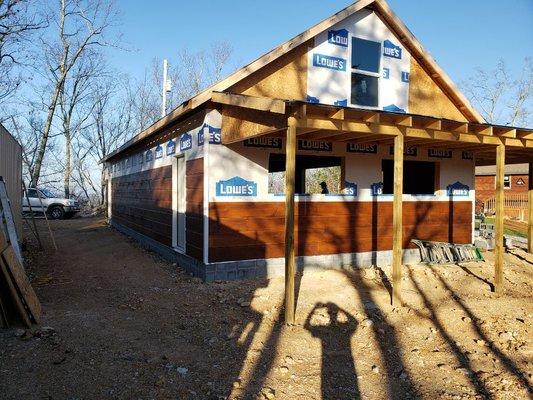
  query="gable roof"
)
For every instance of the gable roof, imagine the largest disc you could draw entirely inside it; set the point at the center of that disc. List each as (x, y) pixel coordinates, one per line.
(381, 7)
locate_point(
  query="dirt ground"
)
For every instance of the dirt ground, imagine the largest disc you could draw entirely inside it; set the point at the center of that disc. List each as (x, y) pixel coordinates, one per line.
(120, 323)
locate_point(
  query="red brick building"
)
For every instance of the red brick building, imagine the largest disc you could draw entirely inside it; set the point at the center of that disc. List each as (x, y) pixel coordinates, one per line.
(516, 181)
(516, 184)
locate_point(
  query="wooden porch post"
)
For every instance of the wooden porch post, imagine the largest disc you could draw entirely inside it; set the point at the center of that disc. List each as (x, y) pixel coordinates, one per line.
(498, 248)
(290, 167)
(397, 225)
(530, 211)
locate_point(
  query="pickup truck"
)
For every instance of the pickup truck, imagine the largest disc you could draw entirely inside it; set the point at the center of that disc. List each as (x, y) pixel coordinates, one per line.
(53, 205)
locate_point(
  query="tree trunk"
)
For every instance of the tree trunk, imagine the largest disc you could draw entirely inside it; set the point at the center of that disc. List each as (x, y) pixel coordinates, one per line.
(68, 163)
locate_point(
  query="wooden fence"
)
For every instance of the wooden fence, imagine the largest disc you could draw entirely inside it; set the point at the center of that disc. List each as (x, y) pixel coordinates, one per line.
(515, 206)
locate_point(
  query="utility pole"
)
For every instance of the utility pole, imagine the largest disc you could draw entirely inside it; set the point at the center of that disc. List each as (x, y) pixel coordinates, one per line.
(167, 87)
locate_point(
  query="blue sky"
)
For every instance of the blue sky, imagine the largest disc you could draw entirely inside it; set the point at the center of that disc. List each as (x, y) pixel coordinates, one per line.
(460, 34)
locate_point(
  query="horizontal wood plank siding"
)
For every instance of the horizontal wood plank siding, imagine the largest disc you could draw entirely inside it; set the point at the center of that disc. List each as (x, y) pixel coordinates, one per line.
(194, 214)
(143, 202)
(247, 230)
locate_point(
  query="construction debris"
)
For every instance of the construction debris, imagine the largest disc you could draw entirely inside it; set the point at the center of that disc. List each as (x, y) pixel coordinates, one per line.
(18, 302)
(447, 253)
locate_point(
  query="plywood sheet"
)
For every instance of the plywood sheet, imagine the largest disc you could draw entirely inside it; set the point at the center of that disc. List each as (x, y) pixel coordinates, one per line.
(427, 98)
(11, 302)
(22, 283)
(284, 78)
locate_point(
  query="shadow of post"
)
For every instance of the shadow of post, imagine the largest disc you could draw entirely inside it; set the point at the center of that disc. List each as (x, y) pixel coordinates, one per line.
(461, 356)
(508, 363)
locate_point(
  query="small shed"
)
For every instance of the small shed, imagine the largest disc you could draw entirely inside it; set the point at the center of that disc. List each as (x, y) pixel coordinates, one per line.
(11, 172)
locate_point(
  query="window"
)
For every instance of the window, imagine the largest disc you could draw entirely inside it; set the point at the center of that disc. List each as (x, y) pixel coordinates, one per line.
(366, 55)
(32, 193)
(311, 171)
(366, 58)
(365, 90)
(507, 182)
(419, 177)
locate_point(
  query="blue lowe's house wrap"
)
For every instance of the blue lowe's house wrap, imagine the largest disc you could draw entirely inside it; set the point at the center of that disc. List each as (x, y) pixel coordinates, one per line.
(158, 152)
(325, 61)
(171, 147)
(338, 38)
(215, 134)
(391, 50)
(185, 142)
(236, 186)
(458, 189)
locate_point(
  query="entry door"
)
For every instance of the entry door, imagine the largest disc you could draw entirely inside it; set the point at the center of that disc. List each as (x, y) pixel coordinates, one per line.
(178, 203)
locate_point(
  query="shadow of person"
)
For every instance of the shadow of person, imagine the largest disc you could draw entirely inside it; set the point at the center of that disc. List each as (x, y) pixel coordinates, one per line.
(335, 327)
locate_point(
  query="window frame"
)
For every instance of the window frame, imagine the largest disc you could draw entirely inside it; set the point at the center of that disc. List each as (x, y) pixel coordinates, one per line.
(436, 177)
(302, 172)
(378, 75)
(508, 179)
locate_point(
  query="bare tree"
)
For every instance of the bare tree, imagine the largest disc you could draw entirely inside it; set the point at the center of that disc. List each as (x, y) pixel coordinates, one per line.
(112, 114)
(500, 98)
(195, 71)
(191, 72)
(81, 25)
(17, 23)
(75, 110)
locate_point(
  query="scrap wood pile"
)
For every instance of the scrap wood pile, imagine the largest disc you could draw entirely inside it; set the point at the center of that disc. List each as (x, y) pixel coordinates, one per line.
(447, 253)
(19, 304)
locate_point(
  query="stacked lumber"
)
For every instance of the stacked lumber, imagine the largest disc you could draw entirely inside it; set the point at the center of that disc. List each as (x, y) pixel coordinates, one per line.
(19, 304)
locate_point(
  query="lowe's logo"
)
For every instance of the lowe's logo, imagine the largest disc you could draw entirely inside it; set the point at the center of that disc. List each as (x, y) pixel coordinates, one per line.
(185, 142)
(236, 186)
(323, 61)
(171, 147)
(391, 50)
(158, 152)
(339, 38)
(458, 189)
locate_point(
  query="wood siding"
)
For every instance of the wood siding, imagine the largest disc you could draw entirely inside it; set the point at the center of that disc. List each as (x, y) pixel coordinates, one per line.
(194, 215)
(143, 202)
(240, 231)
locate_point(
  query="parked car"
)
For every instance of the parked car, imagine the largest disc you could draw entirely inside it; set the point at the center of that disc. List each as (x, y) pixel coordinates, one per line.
(55, 206)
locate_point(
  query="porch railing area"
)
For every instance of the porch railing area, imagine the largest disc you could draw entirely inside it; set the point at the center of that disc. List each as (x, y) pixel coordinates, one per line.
(514, 205)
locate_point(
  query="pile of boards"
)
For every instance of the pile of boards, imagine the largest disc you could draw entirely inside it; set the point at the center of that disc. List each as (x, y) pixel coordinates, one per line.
(19, 304)
(447, 253)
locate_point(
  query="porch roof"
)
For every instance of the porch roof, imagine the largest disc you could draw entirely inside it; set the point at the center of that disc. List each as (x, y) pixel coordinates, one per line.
(249, 116)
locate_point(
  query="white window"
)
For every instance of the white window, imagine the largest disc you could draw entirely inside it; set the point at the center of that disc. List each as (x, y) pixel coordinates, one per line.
(366, 66)
(507, 182)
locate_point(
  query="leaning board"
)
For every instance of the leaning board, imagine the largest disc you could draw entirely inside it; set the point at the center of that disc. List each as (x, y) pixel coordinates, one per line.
(11, 297)
(21, 282)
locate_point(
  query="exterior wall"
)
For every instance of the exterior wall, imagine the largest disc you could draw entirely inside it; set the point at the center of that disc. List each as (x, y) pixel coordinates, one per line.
(11, 171)
(331, 83)
(251, 226)
(141, 201)
(249, 230)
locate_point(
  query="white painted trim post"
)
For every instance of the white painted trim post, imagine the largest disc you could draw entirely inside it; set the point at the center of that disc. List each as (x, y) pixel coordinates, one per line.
(206, 198)
(175, 203)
